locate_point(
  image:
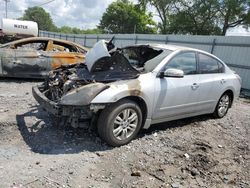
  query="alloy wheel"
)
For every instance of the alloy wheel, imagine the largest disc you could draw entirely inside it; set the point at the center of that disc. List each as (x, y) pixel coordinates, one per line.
(125, 124)
(223, 105)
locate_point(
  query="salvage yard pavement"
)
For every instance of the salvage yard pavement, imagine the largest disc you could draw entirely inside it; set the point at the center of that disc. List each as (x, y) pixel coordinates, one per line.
(194, 152)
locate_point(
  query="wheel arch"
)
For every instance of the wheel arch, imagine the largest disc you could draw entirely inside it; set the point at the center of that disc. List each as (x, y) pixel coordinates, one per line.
(142, 104)
(231, 95)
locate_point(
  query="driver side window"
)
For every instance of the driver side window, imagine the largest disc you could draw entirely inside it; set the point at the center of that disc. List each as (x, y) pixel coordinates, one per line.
(185, 61)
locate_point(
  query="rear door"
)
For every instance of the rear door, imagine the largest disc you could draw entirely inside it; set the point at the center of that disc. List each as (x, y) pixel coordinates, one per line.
(211, 81)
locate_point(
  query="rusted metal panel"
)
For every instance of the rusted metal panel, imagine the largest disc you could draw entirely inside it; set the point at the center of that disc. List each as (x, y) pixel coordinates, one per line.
(59, 59)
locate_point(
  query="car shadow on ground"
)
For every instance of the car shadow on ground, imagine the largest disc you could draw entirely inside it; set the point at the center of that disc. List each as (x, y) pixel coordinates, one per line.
(174, 124)
(45, 138)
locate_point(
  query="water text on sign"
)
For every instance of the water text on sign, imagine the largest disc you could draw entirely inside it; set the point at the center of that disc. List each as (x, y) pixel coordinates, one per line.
(21, 26)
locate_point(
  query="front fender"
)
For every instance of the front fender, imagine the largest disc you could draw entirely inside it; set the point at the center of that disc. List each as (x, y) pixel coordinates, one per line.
(115, 93)
(120, 90)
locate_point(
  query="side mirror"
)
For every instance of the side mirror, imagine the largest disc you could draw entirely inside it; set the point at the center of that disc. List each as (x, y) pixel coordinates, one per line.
(175, 73)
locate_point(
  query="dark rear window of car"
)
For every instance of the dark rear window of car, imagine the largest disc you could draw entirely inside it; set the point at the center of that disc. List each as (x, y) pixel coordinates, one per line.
(209, 65)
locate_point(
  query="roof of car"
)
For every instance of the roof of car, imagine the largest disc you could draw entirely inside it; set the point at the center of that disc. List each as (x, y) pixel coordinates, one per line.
(172, 47)
(176, 47)
(44, 39)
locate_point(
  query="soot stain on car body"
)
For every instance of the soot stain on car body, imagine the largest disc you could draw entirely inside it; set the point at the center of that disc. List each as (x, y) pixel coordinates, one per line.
(134, 87)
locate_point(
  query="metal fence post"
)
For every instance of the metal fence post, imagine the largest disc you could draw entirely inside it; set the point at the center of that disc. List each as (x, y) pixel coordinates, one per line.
(213, 45)
(85, 38)
(136, 38)
(114, 40)
(97, 38)
(166, 40)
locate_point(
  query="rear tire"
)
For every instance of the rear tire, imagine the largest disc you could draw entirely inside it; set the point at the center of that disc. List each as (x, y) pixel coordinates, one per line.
(222, 106)
(120, 122)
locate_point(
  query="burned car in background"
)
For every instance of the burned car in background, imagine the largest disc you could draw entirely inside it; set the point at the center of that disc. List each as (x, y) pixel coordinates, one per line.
(34, 57)
(123, 90)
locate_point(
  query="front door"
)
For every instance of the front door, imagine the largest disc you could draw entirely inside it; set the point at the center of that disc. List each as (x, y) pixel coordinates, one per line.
(177, 97)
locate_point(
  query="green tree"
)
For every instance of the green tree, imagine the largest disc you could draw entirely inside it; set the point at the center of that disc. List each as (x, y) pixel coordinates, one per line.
(92, 31)
(163, 9)
(39, 15)
(75, 30)
(200, 16)
(197, 18)
(233, 13)
(65, 29)
(124, 17)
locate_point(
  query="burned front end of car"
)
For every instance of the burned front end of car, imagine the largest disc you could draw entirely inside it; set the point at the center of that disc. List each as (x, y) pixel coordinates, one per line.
(69, 90)
(66, 95)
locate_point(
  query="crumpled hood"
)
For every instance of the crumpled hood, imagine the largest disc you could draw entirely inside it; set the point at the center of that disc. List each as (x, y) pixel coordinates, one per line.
(98, 51)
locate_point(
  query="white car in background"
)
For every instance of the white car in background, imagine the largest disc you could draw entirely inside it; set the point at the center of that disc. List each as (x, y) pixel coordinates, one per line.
(127, 89)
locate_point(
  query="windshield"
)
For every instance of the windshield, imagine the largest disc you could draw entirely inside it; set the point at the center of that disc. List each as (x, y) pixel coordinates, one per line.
(138, 58)
(144, 58)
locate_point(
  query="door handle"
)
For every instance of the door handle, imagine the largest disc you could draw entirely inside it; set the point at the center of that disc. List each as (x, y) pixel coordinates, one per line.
(195, 86)
(223, 81)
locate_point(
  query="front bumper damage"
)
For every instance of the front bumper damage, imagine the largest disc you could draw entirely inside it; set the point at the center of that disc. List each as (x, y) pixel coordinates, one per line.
(76, 116)
(47, 104)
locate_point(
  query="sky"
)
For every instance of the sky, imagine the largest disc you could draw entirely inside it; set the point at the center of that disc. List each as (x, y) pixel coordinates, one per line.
(238, 31)
(84, 14)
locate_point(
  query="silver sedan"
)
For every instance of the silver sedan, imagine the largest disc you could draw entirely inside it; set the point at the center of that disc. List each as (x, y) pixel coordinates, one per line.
(134, 87)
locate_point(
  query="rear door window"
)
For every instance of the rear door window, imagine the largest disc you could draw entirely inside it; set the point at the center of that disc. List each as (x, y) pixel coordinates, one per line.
(209, 65)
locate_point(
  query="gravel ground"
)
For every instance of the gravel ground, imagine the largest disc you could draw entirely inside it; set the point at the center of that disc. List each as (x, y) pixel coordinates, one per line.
(194, 152)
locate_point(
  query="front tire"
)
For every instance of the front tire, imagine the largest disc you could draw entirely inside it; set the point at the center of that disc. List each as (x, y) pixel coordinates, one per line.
(222, 106)
(120, 122)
